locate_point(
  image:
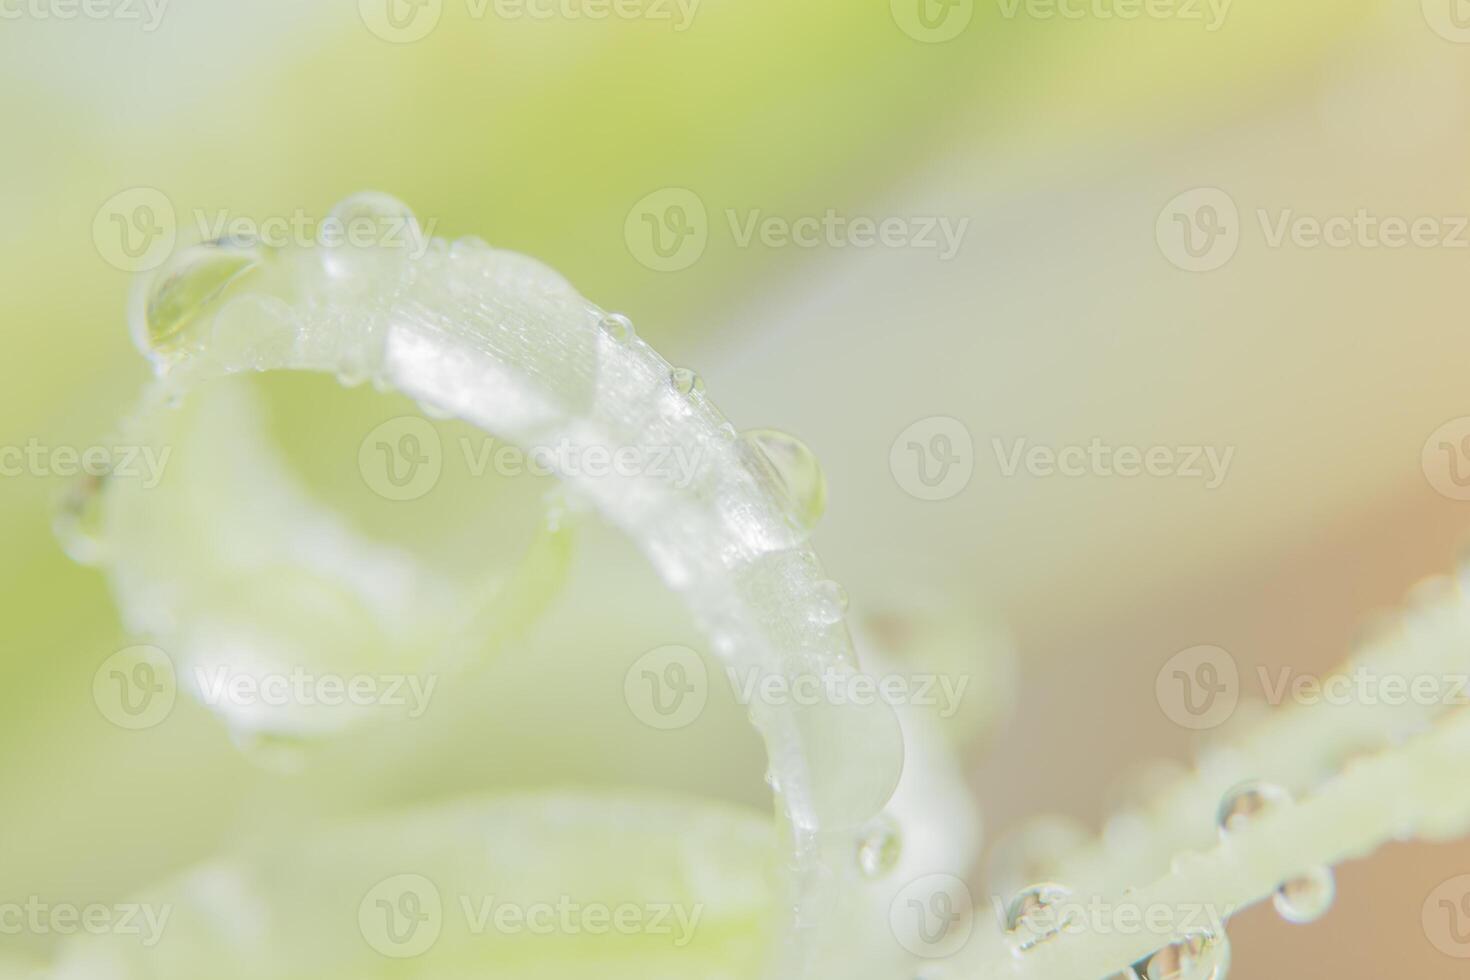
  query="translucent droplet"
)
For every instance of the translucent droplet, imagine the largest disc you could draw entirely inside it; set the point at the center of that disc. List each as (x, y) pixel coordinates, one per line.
(1201, 955)
(797, 475)
(1307, 897)
(78, 522)
(831, 604)
(1037, 914)
(176, 299)
(686, 381)
(618, 327)
(855, 755)
(1248, 801)
(879, 849)
(368, 234)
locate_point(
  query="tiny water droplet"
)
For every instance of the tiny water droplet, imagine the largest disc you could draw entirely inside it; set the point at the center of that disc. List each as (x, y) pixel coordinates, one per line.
(1307, 897)
(176, 299)
(1200, 955)
(78, 523)
(879, 849)
(831, 603)
(1248, 801)
(686, 381)
(367, 234)
(618, 327)
(1037, 914)
(798, 477)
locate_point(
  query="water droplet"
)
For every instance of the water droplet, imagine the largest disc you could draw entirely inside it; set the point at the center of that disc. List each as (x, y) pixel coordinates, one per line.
(879, 849)
(831, 735)
(1200, 955)
(831, 604)
(1248, 801)
(1037, 914)
(618, 327)
(686, 381)
(171, 306)
(1307, 897)
(369, 234)
(78, 523)
(796, 474)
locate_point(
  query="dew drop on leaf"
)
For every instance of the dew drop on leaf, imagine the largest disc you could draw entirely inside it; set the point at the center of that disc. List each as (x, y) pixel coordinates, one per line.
(1248, 801)
(1201, 955)
(183, 291)
(1307, 897)
(796, 474)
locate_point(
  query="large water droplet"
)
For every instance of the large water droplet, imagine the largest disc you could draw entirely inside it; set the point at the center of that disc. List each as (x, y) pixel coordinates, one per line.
(1307, 897)
(368, 235)
(879, 849)
(1201, 955)
(176, 300)
(1248, 801)
(1037, 914)
(618, 327)
(855, 754)
(686, 381)
(796, 475)
(78, 522)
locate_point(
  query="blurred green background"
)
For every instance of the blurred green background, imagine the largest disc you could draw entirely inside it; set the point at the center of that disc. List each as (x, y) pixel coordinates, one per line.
(1059, 139)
